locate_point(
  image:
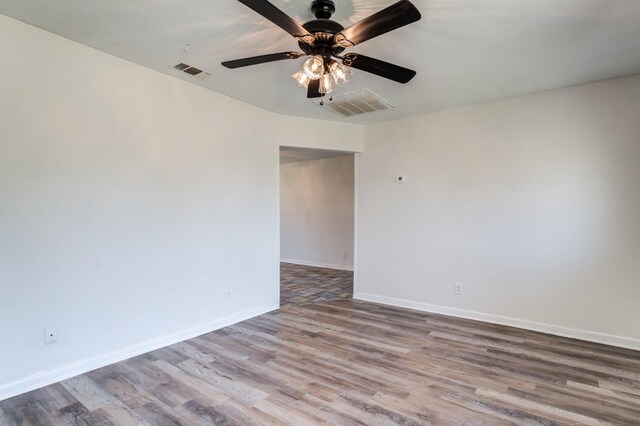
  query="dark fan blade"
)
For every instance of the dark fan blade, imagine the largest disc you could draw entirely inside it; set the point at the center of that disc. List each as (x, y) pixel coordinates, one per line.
(393, 17)
(255, 60)
(378, 67)
(313, 91)
(278, 17)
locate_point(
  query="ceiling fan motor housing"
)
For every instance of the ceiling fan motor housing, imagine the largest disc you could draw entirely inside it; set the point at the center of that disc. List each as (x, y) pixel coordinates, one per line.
(323, 30)
(323, 9)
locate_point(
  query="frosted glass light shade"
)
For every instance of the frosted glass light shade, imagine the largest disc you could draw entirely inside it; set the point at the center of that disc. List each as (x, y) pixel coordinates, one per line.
(314, 67)
(302, 78)
(340, 73)
(326, 85)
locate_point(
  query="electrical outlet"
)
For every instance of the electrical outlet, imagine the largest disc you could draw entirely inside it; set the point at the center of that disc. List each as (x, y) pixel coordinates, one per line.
(344, 255)
(50, 335)
(458, 289)
(228, 295)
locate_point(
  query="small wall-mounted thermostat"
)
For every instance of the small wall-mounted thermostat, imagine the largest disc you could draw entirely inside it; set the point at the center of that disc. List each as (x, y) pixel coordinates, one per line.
(401, 179)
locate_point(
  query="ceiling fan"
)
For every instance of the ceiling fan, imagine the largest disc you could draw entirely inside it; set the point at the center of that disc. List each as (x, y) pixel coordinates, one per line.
(324, 40)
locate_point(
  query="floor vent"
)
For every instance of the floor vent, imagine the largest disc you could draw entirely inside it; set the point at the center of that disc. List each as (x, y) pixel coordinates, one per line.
(355, 103)
(191, 70)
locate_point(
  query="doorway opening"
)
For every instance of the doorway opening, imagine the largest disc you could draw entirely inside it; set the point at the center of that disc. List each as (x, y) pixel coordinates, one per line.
(317, 197)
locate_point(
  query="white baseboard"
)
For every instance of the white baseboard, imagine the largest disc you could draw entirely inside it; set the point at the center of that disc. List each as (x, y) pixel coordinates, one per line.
(46, 378)
(590, 336)
(317, 264)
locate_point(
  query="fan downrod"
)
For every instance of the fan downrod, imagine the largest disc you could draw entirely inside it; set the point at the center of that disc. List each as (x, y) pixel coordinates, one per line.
(323, 9)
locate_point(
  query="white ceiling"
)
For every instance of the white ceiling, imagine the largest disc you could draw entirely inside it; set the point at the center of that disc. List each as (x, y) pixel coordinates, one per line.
(465, 51)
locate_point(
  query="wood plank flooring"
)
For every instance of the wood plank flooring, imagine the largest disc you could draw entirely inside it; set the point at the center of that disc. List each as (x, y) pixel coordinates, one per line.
(348, 363)
(301, 284)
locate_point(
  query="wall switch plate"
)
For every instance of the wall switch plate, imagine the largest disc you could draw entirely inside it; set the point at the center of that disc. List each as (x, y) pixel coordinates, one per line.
(401, 179)
(50, 335)
(458, 288)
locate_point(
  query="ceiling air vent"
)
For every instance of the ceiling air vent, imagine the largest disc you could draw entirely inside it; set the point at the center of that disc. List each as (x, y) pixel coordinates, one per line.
(181, 66)
(355, 103)
(191, 70)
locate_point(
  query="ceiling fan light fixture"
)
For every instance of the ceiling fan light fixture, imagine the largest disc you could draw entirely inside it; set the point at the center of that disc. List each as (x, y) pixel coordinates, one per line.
(302, 78)
(326, 85)
(340, 73)
(314, 67)
(323, 39)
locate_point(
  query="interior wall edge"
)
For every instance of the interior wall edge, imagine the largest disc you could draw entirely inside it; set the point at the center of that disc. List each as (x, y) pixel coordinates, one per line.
(556, 330)
(46, 378)
(356, 185)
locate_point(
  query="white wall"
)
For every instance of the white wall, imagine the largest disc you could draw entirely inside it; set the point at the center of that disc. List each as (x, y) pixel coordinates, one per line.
(316, 212)
(532, 202)
(128, 205)
(131, 205)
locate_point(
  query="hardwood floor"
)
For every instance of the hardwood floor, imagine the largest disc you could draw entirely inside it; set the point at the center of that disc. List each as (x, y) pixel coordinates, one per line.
(350, 362)
(308, 284)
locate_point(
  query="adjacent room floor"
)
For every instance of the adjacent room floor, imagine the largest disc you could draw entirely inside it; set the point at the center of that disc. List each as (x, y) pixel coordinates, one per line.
(350, 362)
(307, 284)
